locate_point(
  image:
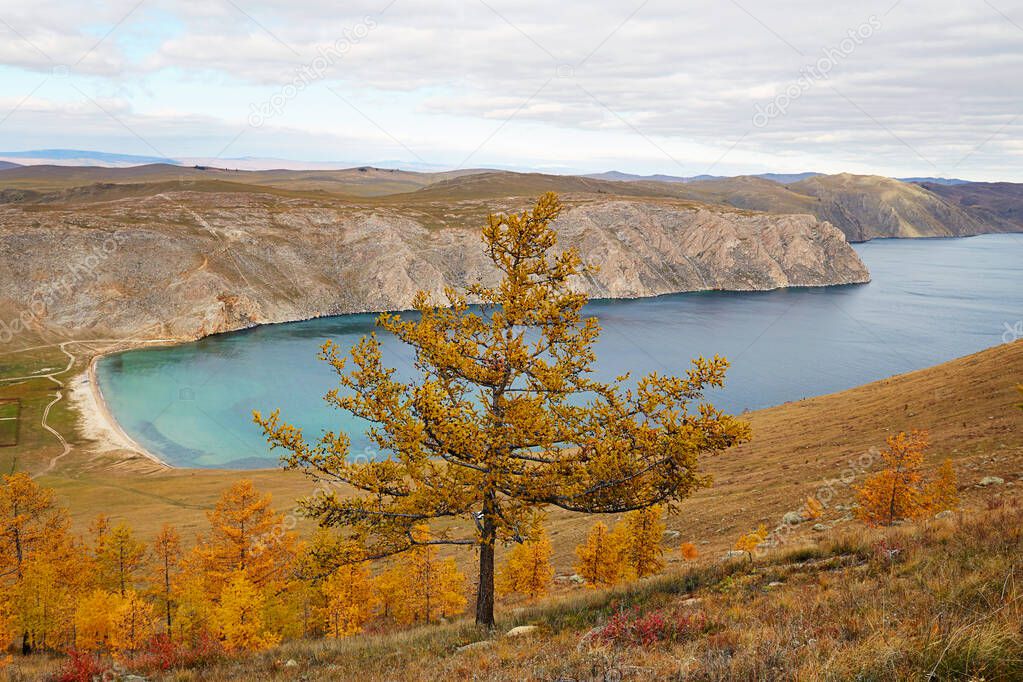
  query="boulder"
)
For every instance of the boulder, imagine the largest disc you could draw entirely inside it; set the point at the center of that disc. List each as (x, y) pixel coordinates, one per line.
(522, 631)
(819, 527)
(947, 514)
(476, 646)
(991, 480)
(793, 518)
(733, 554)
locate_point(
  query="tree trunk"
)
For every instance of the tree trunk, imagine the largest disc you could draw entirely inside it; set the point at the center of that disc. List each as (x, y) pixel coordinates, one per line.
(485, 590)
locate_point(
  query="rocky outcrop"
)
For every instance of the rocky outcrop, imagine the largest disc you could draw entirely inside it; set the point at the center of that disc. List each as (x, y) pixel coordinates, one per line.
(187, 264)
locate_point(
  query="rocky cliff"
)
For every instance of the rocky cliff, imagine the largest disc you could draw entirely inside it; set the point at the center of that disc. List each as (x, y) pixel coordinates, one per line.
(186, 264)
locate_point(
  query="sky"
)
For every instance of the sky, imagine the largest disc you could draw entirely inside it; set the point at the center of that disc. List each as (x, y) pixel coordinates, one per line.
(899, 88)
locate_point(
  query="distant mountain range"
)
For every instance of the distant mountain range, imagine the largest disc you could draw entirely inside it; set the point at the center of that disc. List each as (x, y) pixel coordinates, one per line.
(618, 176)
(79, 157)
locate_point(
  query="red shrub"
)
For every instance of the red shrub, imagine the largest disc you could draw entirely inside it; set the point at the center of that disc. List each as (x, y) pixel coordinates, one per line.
(645, 629)
(81, 666)
(162, 654)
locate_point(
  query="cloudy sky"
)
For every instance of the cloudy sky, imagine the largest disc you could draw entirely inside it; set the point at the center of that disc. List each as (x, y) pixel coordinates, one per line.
(902, 88)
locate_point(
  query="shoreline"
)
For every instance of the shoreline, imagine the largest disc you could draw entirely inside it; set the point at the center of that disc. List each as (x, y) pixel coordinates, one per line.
(95, 421)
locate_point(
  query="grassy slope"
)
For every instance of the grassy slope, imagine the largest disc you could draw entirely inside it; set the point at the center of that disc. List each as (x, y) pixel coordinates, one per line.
(939, 598)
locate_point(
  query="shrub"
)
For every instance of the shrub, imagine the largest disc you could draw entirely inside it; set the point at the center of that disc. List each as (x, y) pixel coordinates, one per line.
(81, 666)
(633, 628)
(161, 654)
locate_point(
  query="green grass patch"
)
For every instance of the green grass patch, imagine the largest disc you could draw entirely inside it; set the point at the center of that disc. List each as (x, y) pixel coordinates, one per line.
(10, 413)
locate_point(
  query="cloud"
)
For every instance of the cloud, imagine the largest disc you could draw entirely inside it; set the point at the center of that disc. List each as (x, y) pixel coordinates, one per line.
(927, 89)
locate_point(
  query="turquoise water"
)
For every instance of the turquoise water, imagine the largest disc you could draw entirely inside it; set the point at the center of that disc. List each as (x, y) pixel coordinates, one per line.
(929, 301)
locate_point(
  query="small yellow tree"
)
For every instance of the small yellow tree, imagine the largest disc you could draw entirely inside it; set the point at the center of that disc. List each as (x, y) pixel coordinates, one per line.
(639, 535)
(600, 558)
(751, 541)
(897, 491)
(349, 600)
(943, 490)
(812, 508)
(94, 616)
(119, 555)
(245, 535)
(434, 587)
(688, 551)
(133, 623)
(239, 617)
(528, 570)
(164, 568)
(389, 596)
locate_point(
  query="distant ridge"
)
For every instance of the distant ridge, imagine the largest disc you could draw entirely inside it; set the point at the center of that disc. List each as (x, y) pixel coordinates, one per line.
(936, 181)
(80, 157)
(4, 165)
(618, 176)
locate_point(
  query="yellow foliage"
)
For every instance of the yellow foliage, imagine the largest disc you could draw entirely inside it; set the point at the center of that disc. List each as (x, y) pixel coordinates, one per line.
(688, 551)
(639, 535)
(6, 634)
(601, 560)
(389, 595)
(433, 587)
(943, 491)
(119, 555)
(527, 570)
(899, 491)
(750, 541)
(349, 598)
(134, 623)
(94, 620)
(812, 508)
(503, 416)
(245, 535)
(165, 565)
(239, 618)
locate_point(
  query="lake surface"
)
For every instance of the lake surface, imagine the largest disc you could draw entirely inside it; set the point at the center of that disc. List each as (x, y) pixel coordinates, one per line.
(930, 301)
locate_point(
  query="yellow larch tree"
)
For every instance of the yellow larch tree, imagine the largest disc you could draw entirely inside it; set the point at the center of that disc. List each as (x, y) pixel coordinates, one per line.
(527, 570)
(389, 596)
(94, 620)
(119, 555)
(239, 616)
(245, 535)
(6, 632)
(688, 551)
(942, 492)
(639, 535)
(897, 491)
(749, 542)
(434, 588)
(600, 560)
(503, 415)
(42, 569)
(133, 623)
(349, 600)
(164, 568)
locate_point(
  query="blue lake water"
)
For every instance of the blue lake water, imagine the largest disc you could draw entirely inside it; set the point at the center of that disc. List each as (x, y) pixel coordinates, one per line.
(929, 301)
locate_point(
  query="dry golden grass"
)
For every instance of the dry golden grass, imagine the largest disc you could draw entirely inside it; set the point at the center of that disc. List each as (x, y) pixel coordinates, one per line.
(941, 599)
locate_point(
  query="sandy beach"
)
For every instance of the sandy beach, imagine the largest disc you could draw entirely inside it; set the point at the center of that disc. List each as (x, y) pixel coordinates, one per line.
(96, 423)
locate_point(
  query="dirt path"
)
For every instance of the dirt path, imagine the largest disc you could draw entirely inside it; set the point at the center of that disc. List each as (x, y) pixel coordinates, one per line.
(59, 395)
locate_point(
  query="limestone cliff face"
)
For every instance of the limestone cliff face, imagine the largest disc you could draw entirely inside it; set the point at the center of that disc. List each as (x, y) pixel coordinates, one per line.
(184, 265)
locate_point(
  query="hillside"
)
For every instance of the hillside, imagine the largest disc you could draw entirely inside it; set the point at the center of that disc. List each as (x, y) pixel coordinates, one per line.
(835, 576)
(152, 260)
